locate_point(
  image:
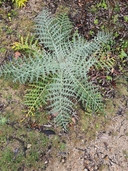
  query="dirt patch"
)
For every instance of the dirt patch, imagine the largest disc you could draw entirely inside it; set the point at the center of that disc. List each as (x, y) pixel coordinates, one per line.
(107, 152)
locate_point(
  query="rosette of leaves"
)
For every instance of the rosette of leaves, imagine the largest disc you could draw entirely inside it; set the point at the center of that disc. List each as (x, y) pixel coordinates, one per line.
(66, 61)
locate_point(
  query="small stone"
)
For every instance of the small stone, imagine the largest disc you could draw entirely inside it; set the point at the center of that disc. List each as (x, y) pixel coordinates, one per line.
(29, 145)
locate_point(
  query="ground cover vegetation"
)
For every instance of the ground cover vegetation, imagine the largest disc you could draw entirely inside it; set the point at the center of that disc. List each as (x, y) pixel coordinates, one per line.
(19, 140)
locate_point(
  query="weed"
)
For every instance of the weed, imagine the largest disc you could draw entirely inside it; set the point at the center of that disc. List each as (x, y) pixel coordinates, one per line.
(20, 3)
(91, 32)
(57, 77)
(115, 18)
(93, 9)
(102, 27)
(117, 8)
(62, 146)
(96, 21)
(116, 34)
(126, 18)
(122, 54)
(3, 120)
(8, 30)
(102, 4)
(62, 70)
(2, 50)
(28, 44)
(109, 78)
(11, 14)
